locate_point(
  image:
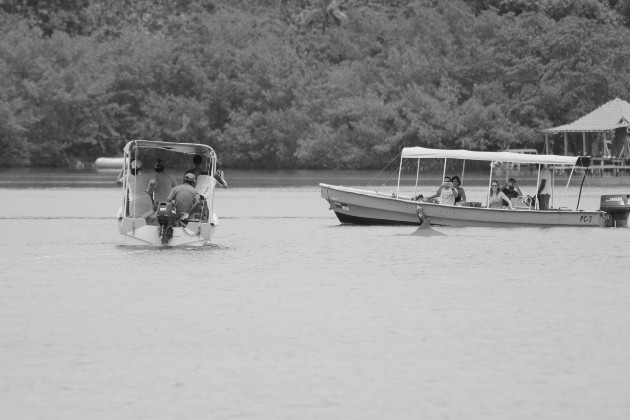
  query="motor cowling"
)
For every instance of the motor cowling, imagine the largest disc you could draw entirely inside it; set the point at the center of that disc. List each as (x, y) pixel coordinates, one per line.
(166, 212)
(166, 215)
(618, 207)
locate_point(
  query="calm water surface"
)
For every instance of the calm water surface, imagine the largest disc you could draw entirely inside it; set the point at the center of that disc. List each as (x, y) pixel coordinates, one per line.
(294, 316)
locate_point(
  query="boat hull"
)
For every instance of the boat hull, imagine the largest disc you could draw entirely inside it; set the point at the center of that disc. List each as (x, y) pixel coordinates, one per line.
(135, 232)
(371, 208)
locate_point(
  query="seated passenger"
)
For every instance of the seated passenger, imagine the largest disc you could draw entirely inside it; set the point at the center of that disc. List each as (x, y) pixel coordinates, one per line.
(496, 198)
(161, 184)
(461, 197)
(159, 188)
(511, 190)
(198, 170)
(185, 197)
(446, 193)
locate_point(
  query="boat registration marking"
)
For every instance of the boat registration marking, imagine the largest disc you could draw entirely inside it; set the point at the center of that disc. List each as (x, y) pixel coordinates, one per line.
(342, 206)
(408, 208)
(586, 219)
(444, 212)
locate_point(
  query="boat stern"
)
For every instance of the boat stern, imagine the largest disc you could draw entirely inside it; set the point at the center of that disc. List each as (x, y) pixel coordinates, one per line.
(135, 231)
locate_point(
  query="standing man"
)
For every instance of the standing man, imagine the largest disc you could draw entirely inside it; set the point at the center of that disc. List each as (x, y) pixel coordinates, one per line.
(544, 189)
(185, 197)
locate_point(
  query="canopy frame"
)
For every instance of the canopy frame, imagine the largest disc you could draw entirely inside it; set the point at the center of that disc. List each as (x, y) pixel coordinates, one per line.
(133, 147)
(494, 158)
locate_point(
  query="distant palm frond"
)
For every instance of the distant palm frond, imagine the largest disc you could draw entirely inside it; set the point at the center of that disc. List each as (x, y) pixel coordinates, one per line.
(328, 12)
(333, 11)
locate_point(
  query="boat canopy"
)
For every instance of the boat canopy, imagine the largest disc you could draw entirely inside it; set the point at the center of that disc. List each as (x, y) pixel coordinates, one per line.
(425, 153)
(189, 148)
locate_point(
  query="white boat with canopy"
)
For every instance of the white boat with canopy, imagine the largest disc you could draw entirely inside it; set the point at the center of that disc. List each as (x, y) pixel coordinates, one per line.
(359, 206)
(198, 229)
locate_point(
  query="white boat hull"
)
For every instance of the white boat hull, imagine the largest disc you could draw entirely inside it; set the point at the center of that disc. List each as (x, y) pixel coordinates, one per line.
(368, 207)
(135, 231)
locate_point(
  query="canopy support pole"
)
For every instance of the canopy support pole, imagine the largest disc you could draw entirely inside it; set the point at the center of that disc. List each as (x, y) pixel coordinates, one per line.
(463, 169)
(126, 159)
(399, 173)
(567, 187)
(489, 186)
(537, 206)
(415, 189)
(213, 170)
(444, 171)
(135, 158)
(553, 179)
(577, 207)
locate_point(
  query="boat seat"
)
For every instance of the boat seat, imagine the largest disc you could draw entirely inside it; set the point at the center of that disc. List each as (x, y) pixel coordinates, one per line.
(518, 204)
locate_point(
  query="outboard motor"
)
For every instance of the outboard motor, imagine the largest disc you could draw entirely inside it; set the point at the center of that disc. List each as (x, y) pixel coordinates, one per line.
(618, 206)
(167, 218)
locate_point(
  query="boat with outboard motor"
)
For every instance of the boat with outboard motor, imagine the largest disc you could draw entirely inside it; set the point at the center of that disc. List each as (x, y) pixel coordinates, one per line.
(352, 205)
(166, 229)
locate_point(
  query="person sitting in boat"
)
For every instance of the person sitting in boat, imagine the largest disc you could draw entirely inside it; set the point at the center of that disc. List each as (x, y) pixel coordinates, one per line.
(198, 170)
(185, 197)
(137, 183)
(496, 198)
(461, 194)
(446, 193)
(161, 184)
(511, 190)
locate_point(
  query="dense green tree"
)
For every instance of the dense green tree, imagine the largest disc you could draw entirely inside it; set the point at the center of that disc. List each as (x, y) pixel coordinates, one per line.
(78, 79)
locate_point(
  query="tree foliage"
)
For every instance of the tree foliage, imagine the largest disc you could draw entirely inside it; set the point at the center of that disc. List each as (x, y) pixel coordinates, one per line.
(301, 84)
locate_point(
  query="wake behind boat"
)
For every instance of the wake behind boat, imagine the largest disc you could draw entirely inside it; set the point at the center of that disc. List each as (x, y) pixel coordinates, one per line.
(367, 207)
(143, 223)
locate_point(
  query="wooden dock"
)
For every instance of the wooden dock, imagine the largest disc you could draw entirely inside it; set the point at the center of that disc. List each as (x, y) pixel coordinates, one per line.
(615, 165)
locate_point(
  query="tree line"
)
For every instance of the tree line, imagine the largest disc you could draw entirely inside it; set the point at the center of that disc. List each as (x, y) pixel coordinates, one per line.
(328, 84)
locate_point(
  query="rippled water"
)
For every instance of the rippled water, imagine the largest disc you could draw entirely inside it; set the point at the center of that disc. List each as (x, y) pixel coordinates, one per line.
(292, 315)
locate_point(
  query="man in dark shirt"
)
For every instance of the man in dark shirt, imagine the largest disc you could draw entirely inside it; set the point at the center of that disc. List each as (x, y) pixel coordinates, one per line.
(511, 190)
(198, 170)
